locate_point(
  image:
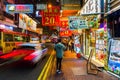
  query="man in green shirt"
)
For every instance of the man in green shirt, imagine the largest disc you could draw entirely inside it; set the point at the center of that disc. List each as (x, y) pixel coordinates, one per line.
(59, 48)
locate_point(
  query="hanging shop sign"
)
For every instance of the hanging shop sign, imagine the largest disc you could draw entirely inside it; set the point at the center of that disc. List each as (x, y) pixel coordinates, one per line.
(66, 33)
(51, 16)
(77, 23)
(19, 8)
(50, 20)
(63, 29)
(64, 24)
(27, 23)
(41, 6)
(91, 7)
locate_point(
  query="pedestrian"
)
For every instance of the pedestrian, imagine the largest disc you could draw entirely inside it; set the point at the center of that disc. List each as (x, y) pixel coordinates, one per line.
(72, 46)
(59, 48)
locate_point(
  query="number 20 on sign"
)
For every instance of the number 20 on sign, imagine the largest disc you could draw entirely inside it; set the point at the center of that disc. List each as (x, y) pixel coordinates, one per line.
(49, 21)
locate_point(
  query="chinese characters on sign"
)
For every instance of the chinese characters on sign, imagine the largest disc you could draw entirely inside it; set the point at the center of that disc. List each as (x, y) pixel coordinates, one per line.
(50, 17)
(91, 7)
(64, 24)
(77, 23)
(65, 33)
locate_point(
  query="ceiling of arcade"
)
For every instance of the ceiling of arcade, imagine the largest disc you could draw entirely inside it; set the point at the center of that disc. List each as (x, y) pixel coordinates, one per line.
(70, 8)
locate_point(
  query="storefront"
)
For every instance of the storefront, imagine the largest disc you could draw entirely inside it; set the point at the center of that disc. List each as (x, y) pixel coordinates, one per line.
(114, 40)
(96, 36)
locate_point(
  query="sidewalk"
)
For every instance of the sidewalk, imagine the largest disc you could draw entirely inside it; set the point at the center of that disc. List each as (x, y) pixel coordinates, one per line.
(75, 69)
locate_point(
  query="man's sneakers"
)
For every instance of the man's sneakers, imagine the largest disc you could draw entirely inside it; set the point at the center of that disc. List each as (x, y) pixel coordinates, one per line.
(58, 71)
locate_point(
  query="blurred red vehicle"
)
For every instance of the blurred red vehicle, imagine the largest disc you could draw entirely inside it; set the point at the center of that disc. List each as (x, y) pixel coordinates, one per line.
(27, 52)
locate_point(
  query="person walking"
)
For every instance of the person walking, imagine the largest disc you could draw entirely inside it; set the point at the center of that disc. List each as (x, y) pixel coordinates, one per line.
(59, 48)
(72, 46)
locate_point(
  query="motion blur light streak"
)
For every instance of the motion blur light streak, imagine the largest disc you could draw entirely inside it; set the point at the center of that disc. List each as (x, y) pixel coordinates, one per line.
(16, 53)
(29, 57)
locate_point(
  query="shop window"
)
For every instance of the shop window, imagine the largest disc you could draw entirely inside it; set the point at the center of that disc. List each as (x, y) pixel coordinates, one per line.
(116, 28)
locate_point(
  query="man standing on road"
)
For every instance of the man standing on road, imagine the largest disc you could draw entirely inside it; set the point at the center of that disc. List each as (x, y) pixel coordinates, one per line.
(59, 48)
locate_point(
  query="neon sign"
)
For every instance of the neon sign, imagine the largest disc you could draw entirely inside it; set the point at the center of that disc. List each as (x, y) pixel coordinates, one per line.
(10, 8)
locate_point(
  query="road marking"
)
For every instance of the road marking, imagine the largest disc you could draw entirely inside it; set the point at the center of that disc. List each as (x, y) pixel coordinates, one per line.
(43, 74)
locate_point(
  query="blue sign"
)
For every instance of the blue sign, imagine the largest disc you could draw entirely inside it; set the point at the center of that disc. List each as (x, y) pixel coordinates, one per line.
(77, 23)
(19, 8)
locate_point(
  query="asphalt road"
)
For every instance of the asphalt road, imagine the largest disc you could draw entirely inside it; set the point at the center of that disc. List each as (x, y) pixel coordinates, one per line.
(19, 71)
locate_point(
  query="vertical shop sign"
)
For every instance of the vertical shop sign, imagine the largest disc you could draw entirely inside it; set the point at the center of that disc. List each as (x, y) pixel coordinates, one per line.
(50, 16)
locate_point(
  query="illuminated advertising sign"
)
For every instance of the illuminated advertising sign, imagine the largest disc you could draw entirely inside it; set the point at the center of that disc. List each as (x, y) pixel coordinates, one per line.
(91, 7)
(65, 33)
(25, 22)
(51, 16)
(19, 8)
(50, 20)
(64, 24)
(77, 23)
(7, 27)
(41, 6)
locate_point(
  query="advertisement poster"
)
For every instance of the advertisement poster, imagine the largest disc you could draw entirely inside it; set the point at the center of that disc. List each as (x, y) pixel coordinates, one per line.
(26, 22)
(77, 44)
(114, 57)
(77, 23)
(100, 46)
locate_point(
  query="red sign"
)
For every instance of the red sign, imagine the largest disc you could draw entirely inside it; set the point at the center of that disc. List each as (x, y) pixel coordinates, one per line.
(64, 24)
(65, 33)
(53, 11)
(50, 20)
(50, 16)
